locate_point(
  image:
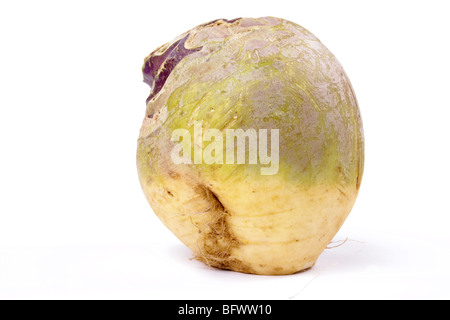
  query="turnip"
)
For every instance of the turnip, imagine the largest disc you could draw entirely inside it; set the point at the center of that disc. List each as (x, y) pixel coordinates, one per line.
(268, 199)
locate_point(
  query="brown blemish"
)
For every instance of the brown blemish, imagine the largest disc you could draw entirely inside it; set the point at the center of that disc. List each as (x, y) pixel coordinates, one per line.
(342, 192)
(173, 175)
(217, 241)
(358, 174)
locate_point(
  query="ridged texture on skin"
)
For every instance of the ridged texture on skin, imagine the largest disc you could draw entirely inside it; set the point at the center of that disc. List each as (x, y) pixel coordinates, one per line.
(265, 73)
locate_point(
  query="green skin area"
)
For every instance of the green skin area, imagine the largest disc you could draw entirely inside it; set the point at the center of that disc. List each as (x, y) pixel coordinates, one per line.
(320, 142)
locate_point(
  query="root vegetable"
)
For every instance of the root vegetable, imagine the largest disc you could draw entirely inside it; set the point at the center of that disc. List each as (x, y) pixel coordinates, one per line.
(250, 74)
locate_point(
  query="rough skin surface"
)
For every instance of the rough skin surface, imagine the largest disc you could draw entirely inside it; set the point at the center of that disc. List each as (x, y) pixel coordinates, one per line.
(265, 73)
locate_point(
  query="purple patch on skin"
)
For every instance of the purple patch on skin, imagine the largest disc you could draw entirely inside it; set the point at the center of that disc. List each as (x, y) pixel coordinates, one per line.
(157, 69)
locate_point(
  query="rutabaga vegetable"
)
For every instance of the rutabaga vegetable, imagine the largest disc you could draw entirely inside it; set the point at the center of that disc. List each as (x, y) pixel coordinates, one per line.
(251, 149)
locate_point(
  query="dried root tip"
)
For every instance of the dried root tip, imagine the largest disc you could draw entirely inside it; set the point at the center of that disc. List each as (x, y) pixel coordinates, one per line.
(339, 243)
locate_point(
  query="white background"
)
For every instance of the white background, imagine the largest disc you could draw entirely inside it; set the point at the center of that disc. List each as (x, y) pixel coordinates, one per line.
(74, 223)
